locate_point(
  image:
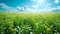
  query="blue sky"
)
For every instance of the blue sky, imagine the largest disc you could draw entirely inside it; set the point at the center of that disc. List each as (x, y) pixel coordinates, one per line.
(29, 5)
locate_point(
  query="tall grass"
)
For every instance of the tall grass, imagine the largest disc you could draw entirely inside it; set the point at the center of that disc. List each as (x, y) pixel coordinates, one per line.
(29, 23)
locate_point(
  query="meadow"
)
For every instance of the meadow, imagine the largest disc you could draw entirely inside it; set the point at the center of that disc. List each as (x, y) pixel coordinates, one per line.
(29, 23)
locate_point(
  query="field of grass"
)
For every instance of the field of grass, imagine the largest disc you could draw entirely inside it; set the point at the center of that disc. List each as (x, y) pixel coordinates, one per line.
(29, 23)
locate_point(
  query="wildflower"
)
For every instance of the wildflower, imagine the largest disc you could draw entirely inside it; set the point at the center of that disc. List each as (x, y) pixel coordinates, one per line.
(31, 33)
(47, 29)
(45, 26)
(11, 28)
(41, 33)
(18, 27)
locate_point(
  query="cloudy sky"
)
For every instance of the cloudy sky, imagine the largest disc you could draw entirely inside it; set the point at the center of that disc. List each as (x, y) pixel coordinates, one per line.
(29, 5)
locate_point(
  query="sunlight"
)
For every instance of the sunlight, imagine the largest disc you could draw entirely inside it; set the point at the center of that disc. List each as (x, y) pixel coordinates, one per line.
(41, 1)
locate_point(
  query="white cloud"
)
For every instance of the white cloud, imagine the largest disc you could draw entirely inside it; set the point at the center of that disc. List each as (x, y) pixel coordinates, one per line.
(33, 0)
(2, 5)
(49, 4)
(38, 1)
(28, 9)
(22, 8)
(56, 1)
(18, 8)
(57, 8)
(35, 6)
(7, 8)
(41, 1)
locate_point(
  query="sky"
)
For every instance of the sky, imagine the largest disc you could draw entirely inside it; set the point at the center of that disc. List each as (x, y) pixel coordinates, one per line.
(29, 5)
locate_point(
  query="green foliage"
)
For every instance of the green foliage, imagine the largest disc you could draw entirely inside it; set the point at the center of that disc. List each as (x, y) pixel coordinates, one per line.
(29, 23)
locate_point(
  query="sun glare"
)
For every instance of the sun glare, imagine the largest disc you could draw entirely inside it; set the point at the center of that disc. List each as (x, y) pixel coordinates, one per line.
(41, 1)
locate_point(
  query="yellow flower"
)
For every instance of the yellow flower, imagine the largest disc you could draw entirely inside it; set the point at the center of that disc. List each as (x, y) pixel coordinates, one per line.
(11, 25)
(10, 22)
(47, 29)
(11, 28)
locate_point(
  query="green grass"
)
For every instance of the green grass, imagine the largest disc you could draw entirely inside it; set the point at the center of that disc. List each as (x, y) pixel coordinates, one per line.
(29, 23)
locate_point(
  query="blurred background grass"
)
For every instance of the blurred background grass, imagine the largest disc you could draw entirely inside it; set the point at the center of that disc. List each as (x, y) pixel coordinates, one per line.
(29, 23)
